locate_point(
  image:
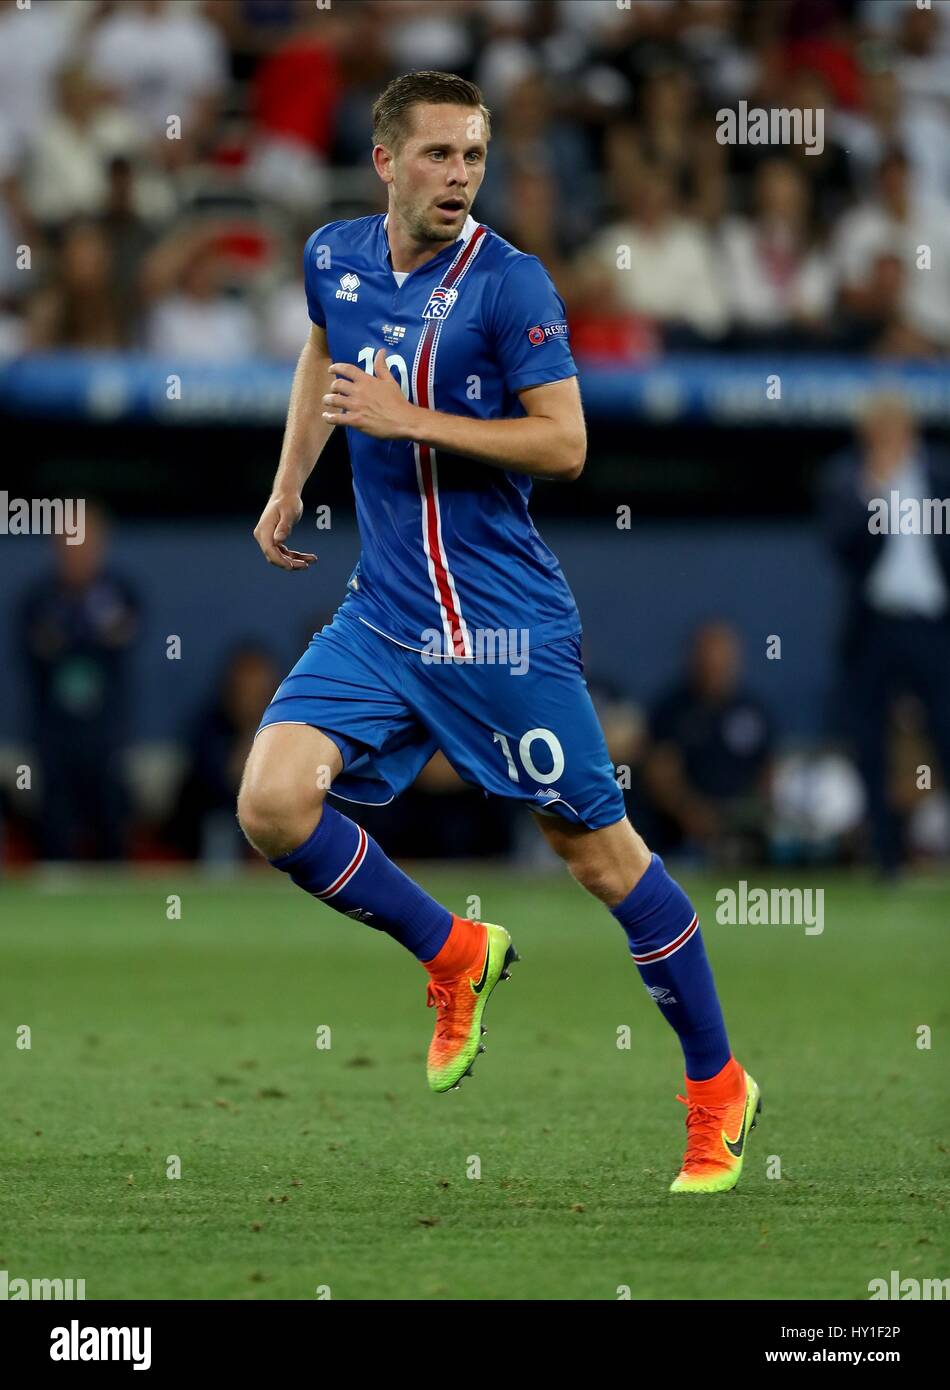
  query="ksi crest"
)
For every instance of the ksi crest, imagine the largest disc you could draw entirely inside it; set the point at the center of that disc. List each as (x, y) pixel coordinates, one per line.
(440, 302)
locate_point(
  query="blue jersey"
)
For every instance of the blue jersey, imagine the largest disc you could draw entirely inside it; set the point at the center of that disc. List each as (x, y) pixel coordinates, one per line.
(448, 548)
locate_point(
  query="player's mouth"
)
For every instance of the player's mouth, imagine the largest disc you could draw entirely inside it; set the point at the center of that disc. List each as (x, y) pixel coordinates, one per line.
(451, 207)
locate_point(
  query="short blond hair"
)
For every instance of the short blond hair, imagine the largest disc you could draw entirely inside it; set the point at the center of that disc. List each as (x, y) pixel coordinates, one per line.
(392, 110)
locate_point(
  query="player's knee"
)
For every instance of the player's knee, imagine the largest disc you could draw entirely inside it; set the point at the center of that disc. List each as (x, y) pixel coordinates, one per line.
(602, 880)
(608, 869)
(276, 815)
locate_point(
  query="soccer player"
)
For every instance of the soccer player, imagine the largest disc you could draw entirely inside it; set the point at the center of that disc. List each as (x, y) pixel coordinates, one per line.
(443, 352)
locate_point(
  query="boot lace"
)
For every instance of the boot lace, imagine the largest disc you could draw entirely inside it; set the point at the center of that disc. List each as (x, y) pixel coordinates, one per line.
(439, 996)
(703, 1136)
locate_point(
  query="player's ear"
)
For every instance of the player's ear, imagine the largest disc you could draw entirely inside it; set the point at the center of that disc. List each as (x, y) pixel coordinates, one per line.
(382, 163)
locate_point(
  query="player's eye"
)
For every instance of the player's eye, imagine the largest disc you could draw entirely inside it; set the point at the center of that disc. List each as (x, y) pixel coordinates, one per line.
(474, 156)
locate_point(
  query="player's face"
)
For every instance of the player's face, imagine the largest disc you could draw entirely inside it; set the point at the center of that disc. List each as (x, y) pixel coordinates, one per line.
(438, 171)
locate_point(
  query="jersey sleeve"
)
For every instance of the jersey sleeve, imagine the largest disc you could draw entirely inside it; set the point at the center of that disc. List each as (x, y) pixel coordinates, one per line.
(313, 265)
(529, 327)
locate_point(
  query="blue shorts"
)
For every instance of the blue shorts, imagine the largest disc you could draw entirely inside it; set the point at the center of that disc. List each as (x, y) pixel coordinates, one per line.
(533, 736)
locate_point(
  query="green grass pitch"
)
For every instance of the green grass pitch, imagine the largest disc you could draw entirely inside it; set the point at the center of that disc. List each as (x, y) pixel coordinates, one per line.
(306, 1168)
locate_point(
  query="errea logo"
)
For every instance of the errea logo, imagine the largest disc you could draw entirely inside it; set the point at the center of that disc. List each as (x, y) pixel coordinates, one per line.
(349, 284)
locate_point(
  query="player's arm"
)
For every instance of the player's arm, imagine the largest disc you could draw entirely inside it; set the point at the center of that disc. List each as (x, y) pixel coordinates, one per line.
(549, 441)
(305, 435)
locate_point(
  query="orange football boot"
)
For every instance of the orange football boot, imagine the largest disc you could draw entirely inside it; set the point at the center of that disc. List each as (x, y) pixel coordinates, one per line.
(721, 1113)
(462, 976)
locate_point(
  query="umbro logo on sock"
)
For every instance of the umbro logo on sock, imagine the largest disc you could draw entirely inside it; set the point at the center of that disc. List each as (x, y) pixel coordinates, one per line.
(661, 995)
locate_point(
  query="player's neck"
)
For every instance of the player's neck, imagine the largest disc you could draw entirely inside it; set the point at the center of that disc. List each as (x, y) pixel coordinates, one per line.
(405, 253)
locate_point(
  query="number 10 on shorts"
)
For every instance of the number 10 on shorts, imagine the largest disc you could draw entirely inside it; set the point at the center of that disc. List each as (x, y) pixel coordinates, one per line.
(525, 745)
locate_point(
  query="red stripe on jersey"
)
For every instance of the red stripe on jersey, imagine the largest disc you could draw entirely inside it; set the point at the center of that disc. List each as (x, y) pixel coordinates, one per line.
(430, 513)
(456, 268)
(431, 522)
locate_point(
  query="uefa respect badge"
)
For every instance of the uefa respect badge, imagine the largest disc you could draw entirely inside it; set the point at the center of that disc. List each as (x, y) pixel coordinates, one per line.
(544, 332)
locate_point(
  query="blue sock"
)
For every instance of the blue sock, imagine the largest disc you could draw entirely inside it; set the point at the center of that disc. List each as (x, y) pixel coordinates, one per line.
(667, 947)
(345, 868)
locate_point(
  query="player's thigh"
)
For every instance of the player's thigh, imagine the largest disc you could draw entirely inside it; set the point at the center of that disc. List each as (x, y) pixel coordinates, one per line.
(526, 731)
(347, 689)
(289, 766)
(347, 684)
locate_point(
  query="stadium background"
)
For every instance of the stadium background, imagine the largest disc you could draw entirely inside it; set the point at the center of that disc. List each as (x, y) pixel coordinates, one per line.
(152, 258)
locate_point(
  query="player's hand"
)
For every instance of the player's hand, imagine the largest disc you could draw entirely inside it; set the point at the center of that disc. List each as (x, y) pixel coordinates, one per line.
(277, 521)
(373, 404)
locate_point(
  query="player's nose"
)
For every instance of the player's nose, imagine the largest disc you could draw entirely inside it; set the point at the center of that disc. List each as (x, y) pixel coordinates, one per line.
(458, 172)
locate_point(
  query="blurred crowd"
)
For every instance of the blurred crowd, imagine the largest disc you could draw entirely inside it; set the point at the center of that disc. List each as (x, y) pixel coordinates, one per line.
(706, 772)
(161, 165)
(163, 161)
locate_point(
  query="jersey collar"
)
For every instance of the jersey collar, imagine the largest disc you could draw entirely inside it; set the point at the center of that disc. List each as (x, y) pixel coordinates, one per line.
(468, 227)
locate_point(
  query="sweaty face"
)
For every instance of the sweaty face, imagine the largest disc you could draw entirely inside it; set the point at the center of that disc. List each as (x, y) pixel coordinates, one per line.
(438, 170)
